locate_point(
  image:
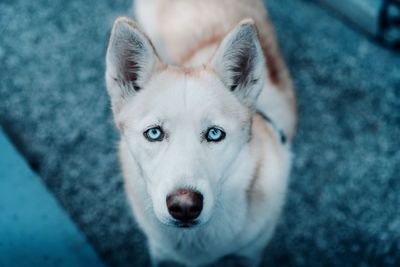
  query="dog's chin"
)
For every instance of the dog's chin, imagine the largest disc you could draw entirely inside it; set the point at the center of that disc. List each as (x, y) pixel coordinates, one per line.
(182, 225)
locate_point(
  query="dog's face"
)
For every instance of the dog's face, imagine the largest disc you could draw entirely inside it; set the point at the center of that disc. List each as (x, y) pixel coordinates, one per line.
(184, 127)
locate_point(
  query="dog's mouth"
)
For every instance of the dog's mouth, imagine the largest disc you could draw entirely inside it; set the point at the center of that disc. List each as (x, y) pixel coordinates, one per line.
(178, 224)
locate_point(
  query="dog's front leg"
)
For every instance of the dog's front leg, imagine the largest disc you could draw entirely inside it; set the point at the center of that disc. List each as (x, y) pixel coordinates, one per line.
(251, 256)
(253, 260)
(154, 262)
(156, 254)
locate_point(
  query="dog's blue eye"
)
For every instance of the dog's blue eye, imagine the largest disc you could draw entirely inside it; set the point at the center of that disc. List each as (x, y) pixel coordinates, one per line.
(154, 134)
(215, 134)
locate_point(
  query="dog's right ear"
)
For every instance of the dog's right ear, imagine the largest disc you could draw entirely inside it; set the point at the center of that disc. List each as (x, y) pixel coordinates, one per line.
(130, 61)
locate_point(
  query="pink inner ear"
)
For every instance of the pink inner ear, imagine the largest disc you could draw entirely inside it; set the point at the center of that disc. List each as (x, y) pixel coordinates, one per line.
(131, 51)
(130, 69)
(130, 73)
(241, 69)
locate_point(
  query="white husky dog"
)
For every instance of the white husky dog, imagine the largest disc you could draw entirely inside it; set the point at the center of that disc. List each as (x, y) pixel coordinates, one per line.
(203, 124)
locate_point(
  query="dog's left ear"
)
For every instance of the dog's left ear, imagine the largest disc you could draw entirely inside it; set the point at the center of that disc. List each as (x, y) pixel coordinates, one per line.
(240, 63)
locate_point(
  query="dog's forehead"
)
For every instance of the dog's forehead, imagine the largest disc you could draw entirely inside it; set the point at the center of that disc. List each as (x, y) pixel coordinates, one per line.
(189, 90)
(198, 95)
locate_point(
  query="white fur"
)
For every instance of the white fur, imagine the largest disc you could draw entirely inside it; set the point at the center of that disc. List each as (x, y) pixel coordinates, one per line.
(238, 217)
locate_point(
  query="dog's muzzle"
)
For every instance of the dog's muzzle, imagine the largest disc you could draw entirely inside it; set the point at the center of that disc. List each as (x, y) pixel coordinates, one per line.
(185, 206)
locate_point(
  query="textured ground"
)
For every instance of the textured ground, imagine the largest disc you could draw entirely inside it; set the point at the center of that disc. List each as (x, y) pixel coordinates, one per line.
(344, 197)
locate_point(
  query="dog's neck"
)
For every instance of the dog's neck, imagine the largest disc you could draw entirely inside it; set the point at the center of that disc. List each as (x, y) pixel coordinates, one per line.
(279, 131)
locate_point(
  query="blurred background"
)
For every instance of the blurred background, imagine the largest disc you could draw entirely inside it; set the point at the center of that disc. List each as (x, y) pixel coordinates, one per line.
(58, 142)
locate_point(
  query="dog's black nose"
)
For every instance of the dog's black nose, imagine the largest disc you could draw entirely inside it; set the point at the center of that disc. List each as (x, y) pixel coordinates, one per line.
(185, 205)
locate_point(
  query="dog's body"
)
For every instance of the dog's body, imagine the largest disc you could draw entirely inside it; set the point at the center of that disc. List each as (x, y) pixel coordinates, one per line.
(203, 126)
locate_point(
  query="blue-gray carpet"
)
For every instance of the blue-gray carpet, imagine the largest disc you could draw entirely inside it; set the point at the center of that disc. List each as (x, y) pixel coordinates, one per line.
(344, 198)
(34, 229)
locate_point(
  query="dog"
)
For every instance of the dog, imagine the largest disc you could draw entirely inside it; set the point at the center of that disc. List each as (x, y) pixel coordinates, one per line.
(206, 110)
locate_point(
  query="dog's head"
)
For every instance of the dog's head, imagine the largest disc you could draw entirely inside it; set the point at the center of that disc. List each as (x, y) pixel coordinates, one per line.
(185, 127)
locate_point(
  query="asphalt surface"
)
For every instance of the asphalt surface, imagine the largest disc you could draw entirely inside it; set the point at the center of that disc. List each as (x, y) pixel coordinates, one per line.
(344, 197)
